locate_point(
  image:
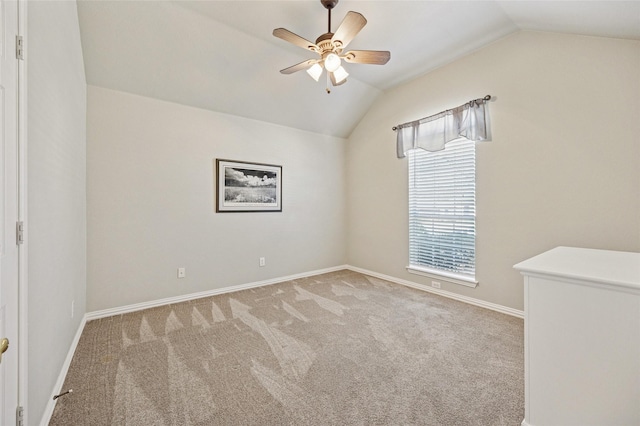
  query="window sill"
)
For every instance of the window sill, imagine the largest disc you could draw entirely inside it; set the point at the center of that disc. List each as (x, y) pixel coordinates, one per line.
(441, 275)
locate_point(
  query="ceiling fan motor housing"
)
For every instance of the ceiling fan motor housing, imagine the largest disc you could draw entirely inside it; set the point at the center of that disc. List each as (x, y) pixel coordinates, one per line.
(326, 46)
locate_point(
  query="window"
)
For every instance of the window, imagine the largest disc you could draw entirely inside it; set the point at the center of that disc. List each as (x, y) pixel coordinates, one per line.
(442, 212)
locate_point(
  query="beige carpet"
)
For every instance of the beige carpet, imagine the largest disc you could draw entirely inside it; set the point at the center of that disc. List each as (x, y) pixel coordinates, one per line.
(335, 349)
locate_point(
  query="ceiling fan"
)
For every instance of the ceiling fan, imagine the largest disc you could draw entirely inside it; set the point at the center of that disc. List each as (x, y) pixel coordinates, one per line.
(329, 46)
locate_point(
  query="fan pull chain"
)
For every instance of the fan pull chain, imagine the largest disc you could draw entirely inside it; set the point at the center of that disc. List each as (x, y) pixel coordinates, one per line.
(327, 89)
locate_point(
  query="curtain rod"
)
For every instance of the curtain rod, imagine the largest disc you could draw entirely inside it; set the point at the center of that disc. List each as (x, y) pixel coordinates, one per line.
(486, 98)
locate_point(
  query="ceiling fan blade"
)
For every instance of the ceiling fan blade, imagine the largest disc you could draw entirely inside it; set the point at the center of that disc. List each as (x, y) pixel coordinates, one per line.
(293, 38)
(333, 80)
(299, 67)
(376, 57)
(348, 29)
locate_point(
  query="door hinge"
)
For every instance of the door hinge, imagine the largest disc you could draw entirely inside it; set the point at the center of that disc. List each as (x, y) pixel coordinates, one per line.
(19, 232)
(20, 416)
(19, 47)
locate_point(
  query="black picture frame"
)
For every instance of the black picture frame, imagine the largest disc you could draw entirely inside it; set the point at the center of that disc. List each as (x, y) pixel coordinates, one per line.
(247, 187)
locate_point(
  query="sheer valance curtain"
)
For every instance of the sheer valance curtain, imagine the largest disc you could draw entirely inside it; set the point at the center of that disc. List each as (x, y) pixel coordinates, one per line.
(469, 121)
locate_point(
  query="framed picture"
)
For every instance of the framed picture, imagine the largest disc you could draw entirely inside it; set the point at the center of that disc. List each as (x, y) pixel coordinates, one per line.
(248, 187)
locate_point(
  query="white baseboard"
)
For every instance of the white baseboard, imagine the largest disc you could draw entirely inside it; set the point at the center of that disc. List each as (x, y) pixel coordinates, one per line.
(183, 298)
(230, 289)
(48, 411)
(465, 299)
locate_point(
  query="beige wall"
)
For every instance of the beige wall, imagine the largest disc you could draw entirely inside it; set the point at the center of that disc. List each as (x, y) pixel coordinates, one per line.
(562, 169)
(56, 194)
(151, 208)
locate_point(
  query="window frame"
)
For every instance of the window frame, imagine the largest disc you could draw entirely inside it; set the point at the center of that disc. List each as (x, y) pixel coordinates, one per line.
(464, 279)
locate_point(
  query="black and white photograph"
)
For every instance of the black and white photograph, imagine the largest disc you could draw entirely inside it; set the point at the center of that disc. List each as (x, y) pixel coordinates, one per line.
(248, 187)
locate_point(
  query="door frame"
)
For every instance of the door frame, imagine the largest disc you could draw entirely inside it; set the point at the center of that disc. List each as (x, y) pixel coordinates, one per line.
(22, 216)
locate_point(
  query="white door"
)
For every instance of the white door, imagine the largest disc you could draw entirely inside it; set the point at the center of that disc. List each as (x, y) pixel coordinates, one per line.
(8, 210)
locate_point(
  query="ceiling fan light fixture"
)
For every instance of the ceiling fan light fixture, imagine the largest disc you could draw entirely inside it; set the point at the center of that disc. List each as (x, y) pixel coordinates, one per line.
(332, 62)
(340, 75)
(315, 71)
(330, 45)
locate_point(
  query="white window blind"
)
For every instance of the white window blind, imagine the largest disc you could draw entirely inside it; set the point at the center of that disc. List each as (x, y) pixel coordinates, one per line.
(442, 210)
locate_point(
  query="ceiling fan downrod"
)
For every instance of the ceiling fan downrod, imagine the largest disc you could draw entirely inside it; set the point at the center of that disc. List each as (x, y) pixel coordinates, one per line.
(329, 4)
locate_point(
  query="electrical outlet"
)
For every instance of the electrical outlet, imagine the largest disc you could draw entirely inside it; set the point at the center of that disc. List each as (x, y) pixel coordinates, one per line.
(263, 262)
(435, 284)
(182, 272)
(73, 302)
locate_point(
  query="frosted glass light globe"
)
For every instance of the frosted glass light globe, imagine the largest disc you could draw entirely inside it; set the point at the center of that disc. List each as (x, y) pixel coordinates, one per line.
(315, 72)
(340, 75)
(332, 62)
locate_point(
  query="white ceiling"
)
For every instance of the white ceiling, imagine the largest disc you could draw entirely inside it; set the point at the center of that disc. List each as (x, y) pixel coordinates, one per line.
(222, 56)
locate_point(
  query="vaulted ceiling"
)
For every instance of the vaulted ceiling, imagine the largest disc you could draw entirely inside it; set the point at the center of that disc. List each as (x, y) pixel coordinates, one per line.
(222, 56)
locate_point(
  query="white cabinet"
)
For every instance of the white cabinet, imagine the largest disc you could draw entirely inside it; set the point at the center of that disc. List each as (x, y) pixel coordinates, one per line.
(582, 338)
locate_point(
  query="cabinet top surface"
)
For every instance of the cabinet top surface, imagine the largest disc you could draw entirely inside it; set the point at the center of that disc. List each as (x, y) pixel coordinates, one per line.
(610, 267)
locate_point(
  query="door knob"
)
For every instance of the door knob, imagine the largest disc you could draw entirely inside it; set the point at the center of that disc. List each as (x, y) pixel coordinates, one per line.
(4, 345)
